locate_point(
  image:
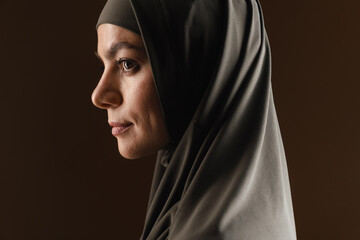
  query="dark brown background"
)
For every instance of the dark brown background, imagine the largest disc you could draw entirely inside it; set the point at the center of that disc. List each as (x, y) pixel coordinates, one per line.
(60, 174)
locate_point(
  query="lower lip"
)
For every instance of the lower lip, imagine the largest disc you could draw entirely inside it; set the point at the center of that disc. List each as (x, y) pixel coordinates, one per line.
(119, 130)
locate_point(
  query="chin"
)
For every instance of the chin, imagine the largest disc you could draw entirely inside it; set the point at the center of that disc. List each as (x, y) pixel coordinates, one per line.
(131, 153)
(126, 153)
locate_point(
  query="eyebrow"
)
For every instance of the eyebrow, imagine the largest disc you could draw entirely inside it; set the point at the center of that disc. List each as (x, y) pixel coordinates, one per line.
(111, 51)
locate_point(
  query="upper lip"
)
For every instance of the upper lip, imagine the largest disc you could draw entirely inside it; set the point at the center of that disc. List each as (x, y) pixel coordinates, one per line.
(119, 124)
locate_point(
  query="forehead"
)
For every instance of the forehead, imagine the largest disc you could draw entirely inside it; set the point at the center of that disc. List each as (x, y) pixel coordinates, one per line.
(109, 35)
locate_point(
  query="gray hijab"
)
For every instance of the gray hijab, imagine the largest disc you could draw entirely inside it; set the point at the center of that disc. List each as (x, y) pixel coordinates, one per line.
(224, 176)
(119, 13)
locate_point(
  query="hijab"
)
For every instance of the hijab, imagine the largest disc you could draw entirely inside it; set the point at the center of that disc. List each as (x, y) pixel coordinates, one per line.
(224, 175)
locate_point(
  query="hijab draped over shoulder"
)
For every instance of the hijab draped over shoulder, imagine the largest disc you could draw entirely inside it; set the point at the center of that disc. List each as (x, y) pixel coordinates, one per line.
(224, 174)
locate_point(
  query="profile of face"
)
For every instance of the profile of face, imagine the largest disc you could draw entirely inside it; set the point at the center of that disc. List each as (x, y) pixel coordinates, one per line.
(127, 91)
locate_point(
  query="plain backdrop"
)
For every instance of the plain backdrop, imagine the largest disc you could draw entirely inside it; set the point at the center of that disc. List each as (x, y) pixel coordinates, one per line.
(61, 176)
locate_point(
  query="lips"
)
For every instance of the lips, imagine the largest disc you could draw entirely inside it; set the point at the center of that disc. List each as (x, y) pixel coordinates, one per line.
(119, 128)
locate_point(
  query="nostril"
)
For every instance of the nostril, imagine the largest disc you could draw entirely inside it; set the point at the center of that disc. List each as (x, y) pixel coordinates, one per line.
(106, 106)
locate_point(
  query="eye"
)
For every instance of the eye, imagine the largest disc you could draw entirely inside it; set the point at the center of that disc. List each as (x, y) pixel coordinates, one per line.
(127, 65)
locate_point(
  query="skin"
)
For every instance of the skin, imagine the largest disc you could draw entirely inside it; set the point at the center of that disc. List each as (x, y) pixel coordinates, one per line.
(127, 91)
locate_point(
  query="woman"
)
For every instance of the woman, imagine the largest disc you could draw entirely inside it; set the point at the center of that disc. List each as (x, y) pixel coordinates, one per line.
(191, 80)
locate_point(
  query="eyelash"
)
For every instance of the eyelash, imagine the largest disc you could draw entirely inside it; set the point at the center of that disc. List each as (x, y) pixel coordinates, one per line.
(124, 62)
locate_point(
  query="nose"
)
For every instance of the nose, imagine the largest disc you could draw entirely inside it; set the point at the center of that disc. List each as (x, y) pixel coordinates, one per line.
(106, 94)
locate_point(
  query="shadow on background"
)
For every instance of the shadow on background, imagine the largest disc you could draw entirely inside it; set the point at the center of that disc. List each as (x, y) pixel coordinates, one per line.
(61, 176)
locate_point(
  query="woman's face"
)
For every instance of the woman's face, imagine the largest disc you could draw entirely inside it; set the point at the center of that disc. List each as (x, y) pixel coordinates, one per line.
(127, 91)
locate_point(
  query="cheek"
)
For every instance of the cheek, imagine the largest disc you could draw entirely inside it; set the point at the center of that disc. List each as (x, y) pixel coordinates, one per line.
(145, 102)
(150, 133)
